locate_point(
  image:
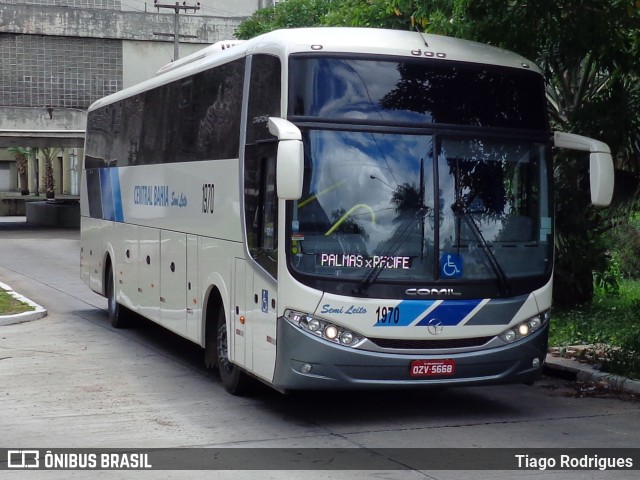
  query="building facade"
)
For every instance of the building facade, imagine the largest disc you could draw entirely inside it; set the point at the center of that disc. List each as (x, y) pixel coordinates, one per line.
(59, 56)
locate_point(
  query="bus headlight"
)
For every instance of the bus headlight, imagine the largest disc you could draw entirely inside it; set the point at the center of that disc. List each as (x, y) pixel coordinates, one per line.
(323, 329)
(526, 328)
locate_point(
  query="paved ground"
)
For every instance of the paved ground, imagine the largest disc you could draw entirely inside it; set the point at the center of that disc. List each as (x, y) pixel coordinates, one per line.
(70, 380)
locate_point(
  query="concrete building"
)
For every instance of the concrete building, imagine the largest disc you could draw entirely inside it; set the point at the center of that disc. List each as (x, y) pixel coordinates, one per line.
(59, 56)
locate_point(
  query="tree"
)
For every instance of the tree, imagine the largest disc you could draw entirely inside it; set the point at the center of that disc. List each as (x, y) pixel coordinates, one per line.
(286, 14)
(49, 183)
(588, 51)
(22, 165)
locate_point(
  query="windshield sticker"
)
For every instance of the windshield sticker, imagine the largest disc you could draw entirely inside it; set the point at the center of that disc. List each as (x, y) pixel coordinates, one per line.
(451, 265)
(344, 260)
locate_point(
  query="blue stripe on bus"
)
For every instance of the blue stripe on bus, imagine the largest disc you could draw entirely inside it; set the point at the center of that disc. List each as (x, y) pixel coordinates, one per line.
(107, 194)
(117, 195)
(408, 310)
(450, 312)
(111, 195)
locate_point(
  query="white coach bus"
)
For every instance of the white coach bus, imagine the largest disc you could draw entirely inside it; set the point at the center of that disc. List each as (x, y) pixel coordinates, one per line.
(334, 208)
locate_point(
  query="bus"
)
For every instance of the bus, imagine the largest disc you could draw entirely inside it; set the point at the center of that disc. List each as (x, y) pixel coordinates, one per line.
(334, 208)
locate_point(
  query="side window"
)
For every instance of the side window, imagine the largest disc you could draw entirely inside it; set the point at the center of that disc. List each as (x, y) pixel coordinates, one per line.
(261, 205)
(217, 100)
(264, 97)
(261, 201)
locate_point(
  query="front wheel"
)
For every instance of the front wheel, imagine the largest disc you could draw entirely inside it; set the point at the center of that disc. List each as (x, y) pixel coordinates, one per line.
(233, 379)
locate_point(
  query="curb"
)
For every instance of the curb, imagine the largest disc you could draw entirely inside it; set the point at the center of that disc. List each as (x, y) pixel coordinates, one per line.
(558, 366)
(35, 314)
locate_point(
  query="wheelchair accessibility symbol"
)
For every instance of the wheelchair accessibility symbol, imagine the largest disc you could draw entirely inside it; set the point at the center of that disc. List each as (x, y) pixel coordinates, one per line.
(451, 265)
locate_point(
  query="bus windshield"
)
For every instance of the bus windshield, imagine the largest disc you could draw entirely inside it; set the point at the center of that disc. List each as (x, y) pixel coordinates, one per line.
(419, 171)
(421, 208)
(382, 90)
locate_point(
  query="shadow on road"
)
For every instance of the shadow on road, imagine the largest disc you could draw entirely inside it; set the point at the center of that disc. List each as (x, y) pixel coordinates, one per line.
(476, 404)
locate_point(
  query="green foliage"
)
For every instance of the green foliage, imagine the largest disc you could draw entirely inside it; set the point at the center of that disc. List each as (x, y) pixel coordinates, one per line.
(611, 320)
(367, 13)
(609, 280)
(444, 17)
(287, 14)
(580, 250)
(588, 52)
(624, 239)
(625, 360)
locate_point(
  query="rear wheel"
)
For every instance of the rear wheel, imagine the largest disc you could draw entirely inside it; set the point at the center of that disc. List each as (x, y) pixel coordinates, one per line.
(117, 313)
(234, 380)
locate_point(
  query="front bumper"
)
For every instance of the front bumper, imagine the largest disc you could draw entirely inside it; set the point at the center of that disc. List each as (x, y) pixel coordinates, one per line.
(337, 367)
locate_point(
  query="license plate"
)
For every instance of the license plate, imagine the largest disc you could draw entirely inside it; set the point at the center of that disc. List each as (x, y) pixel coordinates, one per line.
(432, 368)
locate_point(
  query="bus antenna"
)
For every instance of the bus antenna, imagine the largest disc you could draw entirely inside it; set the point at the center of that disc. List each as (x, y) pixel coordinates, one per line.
(424, 39)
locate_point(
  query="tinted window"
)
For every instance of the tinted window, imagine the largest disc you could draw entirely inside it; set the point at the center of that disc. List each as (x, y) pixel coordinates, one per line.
(260, 200)
(264, 96)
(416, 91)
(196, 118)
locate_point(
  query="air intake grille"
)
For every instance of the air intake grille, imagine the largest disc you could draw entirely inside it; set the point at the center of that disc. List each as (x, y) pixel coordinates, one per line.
(430, 344)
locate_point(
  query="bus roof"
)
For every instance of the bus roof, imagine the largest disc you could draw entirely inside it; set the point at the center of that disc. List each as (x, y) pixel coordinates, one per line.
(330, 39)
(385, 42)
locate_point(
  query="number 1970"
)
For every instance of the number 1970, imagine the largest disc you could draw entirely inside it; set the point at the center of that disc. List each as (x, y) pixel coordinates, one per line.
(388, 315)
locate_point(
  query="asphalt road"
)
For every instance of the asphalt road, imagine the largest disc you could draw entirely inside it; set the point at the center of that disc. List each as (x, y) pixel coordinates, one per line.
(70, 380)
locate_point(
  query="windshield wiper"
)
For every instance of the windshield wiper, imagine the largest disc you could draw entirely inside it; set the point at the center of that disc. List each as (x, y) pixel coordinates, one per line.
(503, 282)
(376, 270)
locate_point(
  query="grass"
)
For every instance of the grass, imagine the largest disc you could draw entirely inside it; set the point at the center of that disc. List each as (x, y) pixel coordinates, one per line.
(609, 328)
(10, 305)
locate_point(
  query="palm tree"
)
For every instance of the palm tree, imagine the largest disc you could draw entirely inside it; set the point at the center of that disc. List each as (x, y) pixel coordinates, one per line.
(22, 164)
(49, 155)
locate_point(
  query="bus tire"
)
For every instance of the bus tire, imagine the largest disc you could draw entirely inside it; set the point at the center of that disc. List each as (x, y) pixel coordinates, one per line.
(234, 380)
(117, 314)
(211, 347)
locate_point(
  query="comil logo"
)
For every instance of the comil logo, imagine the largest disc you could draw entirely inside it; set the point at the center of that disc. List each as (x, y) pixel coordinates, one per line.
(425, 292)
(23, 458)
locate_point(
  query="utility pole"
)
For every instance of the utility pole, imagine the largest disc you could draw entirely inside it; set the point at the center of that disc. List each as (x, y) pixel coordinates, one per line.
(177, 7)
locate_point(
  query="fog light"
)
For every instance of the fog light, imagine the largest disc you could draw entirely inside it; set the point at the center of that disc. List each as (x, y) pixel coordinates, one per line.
(331, 332)
(535, 323)
(523, 329)
(346, 338)
(306, 368)
(314, 325)
(535, 363)
(509, 336)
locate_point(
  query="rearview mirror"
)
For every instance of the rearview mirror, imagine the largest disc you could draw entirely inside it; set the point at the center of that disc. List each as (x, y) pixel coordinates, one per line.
(601, 174)
(290, 160)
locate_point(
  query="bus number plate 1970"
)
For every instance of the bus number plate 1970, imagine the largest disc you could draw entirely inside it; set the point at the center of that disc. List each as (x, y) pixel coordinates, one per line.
(432, 368)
